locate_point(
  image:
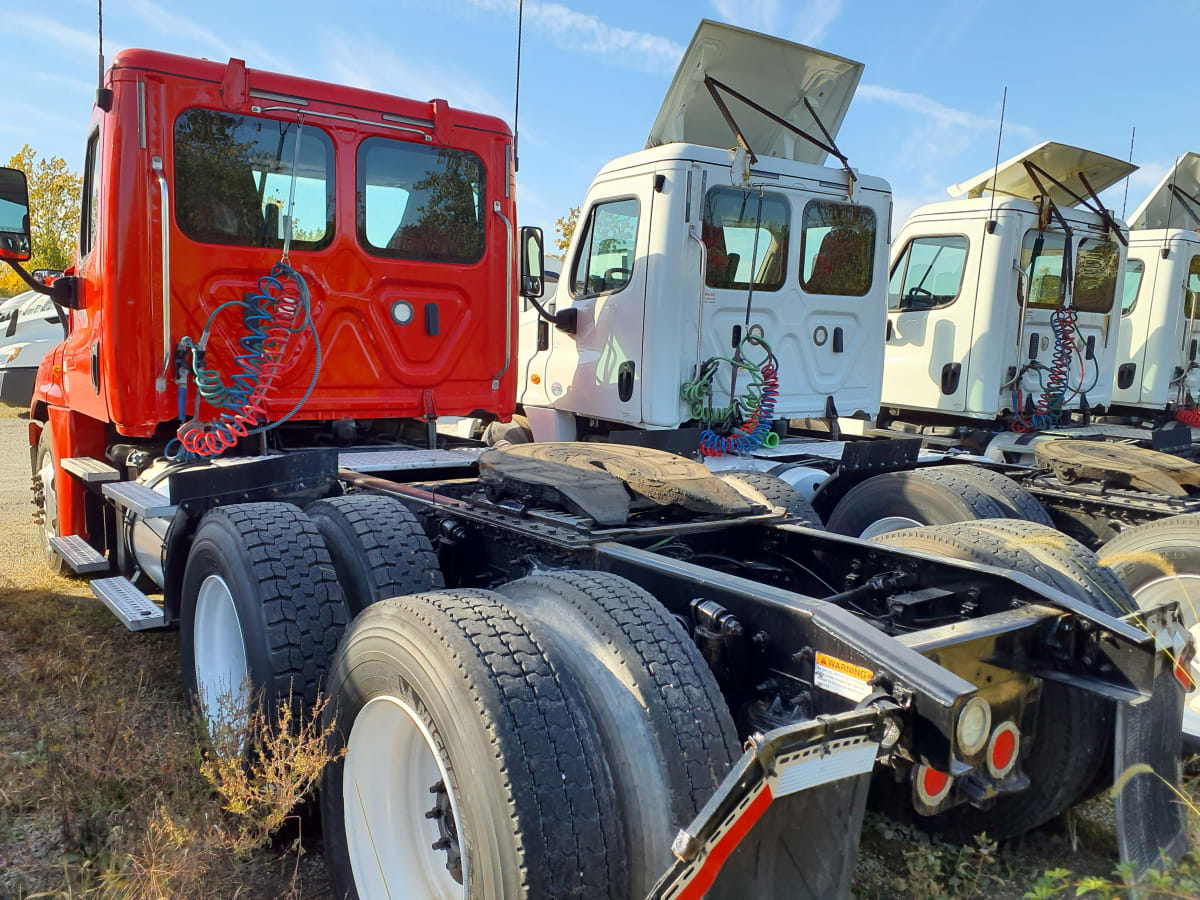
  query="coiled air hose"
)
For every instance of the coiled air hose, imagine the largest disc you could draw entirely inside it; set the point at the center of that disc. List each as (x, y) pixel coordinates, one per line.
(271, 315)
(1048, 412)
(744, 425)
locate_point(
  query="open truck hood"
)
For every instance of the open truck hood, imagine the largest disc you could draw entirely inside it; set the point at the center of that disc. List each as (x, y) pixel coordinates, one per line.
(774, 73)
(1163, 208)
(1061, 161)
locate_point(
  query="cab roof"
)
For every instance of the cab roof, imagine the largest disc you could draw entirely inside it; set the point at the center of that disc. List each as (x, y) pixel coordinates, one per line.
(1167, 208)
(774, 73)
(1061, 161)
(276, 87)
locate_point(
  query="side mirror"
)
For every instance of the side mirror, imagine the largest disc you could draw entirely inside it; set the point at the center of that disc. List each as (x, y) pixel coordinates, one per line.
(533, 260)
(15, 244)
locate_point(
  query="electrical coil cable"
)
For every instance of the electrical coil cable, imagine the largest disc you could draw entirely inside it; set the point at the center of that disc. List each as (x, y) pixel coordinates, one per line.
(271, 315)
(744, 425)
(1054, 387)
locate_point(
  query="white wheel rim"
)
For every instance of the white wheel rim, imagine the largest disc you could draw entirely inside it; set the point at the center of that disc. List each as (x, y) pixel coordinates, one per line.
(49, 504)
(1184, 587)
(222, 672)
(390, 765)
(888, 523)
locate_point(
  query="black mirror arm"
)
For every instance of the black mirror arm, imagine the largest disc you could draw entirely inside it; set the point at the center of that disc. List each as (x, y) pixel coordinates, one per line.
(62, 292)
(563, 319)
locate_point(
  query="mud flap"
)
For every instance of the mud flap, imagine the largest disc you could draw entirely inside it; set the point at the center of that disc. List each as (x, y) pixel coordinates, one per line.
(786, 819)
(1151, 816)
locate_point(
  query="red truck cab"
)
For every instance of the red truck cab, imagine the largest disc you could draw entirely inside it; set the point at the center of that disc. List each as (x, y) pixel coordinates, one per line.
(403, 229)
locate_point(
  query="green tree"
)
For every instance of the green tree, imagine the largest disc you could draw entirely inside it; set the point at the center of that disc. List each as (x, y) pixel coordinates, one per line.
(53, 211)
(565, 227)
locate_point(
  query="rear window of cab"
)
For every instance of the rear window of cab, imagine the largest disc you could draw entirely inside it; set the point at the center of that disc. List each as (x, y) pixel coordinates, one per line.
(233, 180)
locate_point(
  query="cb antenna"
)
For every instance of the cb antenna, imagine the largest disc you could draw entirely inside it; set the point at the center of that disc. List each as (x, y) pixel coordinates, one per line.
(517, 102)
(103, 95)
(991, 223)
(1125, 202)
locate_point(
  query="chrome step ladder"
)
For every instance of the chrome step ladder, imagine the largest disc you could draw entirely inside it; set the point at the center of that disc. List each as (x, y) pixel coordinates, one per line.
(135, 610)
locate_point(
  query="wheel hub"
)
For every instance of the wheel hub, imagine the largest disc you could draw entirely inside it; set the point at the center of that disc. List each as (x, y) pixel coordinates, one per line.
(447, 829)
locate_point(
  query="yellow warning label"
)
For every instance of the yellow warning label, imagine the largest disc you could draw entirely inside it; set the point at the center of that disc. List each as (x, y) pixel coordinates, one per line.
(842, 678)
(846, 668)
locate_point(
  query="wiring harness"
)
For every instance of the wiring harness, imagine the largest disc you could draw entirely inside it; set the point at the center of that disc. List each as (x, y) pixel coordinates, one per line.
(1053, 399)
(745, 424)
(271, 314)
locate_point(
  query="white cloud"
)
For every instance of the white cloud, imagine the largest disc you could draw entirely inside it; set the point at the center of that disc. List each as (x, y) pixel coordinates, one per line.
(940, 114)
(809, 23)
(363, 64)
(814, 20)
(188, 31)
(574, 30)
(63, 35)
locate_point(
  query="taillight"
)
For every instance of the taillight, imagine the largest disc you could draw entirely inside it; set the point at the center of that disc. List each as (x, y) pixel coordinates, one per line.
(932, 785)
(1003, 749)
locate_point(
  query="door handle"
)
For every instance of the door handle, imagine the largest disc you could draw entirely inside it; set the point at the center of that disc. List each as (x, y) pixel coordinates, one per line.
(890, 331)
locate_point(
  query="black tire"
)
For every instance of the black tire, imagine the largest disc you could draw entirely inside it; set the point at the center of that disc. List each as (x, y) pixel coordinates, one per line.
(378, 547)
(771, 491)
(518, 431)
(925, 496)
(289, 607)
(663, 721)
(1160, 561)
(1017, 502)
(46, 514)
(519, 748)
(1073, 730)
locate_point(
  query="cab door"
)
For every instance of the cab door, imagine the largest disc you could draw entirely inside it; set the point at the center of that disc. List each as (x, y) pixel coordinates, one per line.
(595, 371)
(930, 317)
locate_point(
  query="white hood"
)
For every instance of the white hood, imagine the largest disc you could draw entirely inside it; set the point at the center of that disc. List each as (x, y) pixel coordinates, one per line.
(1061, 161)
(1162, 209)
(774, 73)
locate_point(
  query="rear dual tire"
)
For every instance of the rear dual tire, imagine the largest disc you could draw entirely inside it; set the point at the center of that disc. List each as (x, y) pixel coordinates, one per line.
(937, 495)
(574, 718)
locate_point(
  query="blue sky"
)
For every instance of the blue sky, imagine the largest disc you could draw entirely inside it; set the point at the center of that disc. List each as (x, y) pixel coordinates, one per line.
(593, 74)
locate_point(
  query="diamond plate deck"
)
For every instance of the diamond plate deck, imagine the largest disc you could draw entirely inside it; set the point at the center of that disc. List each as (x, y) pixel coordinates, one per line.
(408, 460)
(78, 554)
(135, 610)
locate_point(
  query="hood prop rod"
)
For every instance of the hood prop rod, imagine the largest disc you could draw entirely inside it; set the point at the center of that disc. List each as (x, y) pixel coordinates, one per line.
(714, 85)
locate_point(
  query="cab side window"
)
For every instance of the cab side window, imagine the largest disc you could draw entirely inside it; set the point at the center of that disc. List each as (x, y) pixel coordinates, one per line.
(605, 255)
(1134, 270)
(91, 195)
(929, 274)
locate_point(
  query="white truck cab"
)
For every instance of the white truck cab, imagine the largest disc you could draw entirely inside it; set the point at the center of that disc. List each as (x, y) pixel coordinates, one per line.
(1158, 364)
(685, 245)
(1003, 302)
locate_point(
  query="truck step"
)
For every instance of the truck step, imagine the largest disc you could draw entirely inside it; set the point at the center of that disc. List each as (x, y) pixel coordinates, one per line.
(78, 554)
(139, 499)
(90, 470)
(135, 610)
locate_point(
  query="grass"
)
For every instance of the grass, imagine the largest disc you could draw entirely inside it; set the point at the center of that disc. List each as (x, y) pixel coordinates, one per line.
(107, 788)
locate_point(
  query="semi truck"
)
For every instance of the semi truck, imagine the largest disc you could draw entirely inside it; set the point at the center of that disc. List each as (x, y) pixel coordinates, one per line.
(563, 668)
(1157, 374)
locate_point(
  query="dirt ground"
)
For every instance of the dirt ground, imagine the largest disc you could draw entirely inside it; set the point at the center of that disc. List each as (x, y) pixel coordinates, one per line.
(100, 796)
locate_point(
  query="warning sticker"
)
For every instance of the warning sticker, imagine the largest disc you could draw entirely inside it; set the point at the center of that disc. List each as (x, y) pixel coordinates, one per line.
(841, 677)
